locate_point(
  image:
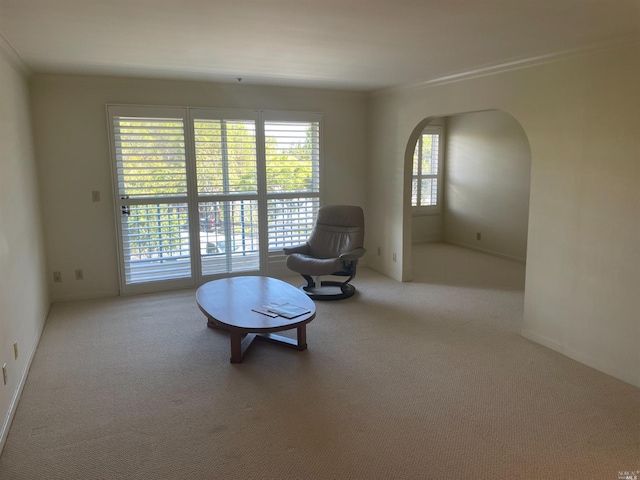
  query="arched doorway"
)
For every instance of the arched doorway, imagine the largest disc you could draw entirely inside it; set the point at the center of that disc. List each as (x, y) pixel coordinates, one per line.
(483, 185)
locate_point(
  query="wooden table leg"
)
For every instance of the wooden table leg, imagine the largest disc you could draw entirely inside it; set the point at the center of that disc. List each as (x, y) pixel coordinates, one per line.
(240, 343)
(302, 336)
(236, 347)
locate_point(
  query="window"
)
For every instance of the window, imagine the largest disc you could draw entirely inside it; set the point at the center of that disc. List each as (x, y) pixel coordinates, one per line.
(203, 193)
(152, 193)
(292, 153)
(227, 193)
(425, 182)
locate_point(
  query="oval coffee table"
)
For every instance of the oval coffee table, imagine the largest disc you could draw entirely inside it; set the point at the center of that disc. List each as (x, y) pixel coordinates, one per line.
(228, 304)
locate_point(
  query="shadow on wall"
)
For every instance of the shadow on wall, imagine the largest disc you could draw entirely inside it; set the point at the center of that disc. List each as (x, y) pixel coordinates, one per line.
(483, 181)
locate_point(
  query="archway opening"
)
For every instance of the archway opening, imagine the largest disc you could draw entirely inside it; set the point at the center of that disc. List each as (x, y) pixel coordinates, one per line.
(479, 198)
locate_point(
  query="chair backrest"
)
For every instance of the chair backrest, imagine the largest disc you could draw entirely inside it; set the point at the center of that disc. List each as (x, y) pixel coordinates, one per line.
(338, 229)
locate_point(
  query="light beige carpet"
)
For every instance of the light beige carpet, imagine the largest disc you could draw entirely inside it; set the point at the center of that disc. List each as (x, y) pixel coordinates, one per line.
(422, 380)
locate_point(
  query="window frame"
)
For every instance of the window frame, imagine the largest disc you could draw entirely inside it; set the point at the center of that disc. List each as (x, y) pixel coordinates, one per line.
(313, 194)
(270, 262)
(419, 210)
(226, 199)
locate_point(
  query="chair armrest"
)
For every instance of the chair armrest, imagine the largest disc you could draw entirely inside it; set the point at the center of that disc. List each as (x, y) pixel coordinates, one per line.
(304, 249)
(352, 254)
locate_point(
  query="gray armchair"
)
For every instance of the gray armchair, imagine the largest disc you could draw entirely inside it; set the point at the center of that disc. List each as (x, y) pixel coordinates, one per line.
(334, 247)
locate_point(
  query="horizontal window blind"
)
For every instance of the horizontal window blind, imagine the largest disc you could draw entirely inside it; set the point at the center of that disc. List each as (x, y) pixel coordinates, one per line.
(428, 191)
(426, 167)
(430, 149)
(290, 221)
(150, 157)
(196, 194)
(155, 242)
(226, 164)
(229, 237)
(292, 154)
(226, 156)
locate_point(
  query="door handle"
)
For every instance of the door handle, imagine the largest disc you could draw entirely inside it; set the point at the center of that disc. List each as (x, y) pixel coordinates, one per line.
(125, 209)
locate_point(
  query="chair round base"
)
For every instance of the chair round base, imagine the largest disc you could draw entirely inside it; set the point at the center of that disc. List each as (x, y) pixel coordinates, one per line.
(329, 290)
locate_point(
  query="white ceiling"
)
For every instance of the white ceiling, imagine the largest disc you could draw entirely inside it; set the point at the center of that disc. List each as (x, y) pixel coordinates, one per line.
(352, 44)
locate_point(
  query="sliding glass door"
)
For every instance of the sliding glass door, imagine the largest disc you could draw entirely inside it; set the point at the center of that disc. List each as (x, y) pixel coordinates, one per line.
(227, 192)
(151, 197)
(204, 193)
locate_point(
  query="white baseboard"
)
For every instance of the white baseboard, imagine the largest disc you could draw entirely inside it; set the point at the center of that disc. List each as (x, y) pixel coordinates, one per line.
(626, 376)
(84, 296)
(488, 252)
(23, 379)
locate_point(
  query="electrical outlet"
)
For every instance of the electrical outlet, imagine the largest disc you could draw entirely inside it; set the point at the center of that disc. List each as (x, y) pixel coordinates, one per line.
(15, 350)
(394, 257)
(95, 196)
(79, 274)
(57, 277)
(478, 236)
(4, 373)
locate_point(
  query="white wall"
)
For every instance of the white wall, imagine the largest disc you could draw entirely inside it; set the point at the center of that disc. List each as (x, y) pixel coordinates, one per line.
(488, 174)
(427, 228)
(73, 155)
(582, 119)
(24, 300)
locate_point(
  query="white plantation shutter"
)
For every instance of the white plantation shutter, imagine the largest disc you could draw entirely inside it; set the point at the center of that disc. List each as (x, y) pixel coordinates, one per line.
(229, 242)
(425, 191)
(292, 156)
(151, 176)
(150, 156)
(226, 156)
(227, 185)
(292, 159)
(203, 193)
(156, 242)
(290, 220)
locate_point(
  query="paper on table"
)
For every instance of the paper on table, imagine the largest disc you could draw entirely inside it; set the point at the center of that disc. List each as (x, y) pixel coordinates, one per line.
(287, 310)
(264, 311)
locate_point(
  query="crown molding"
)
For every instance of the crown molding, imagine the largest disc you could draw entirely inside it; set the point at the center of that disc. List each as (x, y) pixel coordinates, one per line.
(12, 56)
(515, 64)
